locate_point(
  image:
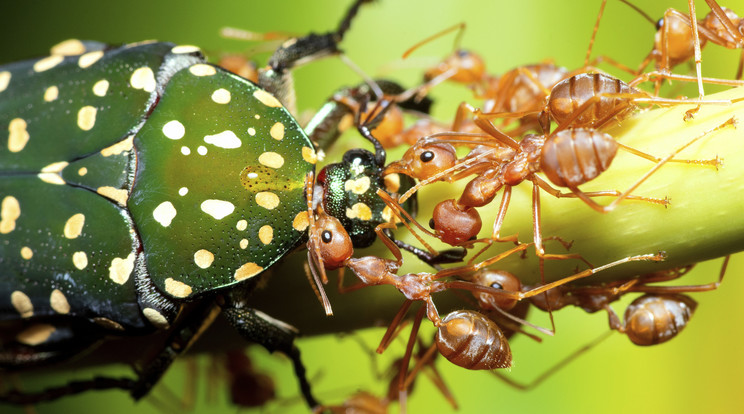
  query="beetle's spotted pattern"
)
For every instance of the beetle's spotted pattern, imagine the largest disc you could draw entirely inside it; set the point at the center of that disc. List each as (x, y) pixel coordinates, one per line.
(100, 88)
(115, 221)
(143, 78)
(225, 139)
(86, 118)
(88, 59)
(36, 334)
(277, 131)
(74, 226)
(10, 210)
(27, 253)
(174, 130)
(51, 93)
(48, 63)
(18, 135)
(22, 304)
(164, 213)
(58, 302)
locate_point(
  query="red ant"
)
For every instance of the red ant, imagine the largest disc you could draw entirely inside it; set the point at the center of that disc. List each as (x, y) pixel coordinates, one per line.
(656, 317)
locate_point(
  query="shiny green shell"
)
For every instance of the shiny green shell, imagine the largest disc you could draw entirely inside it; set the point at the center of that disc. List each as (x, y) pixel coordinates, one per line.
(140, 162)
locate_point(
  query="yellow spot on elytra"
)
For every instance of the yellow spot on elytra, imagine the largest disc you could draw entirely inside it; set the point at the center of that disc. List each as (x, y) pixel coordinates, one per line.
(51, 93)
(69, 47)
(267, 200)
(101, 87)
(392, 182)
(185, 49)
(121, 269)
(86, 118)
(143, 78)
(27, 253)
(252, 132)
(164, 213)
(387, 214)
(243, 243)
(116, 194)
(58, 301)
(185, 150)
(35, 334)
(156, 318)
(80, 260)
(271, 159)
(358, 186)
(277, 131)
(176, 288)
(82, 171)
(221, 96)
(202, 69)
(124, 145)
(90, 58)
(242, 225)
(22, 304)
(218, 209)
(74, 226)
(107, 323)
(359, 211)
(4, 80)
(203, 258)
(201, 150)
(183, 191)
(48, 63)
(18, 135)
(174, 130)
(249, 269)
(50, 173)
(266, 98)
(225, 139)
(266, 234)
(300, 222)
(309, 155)
(10, 210)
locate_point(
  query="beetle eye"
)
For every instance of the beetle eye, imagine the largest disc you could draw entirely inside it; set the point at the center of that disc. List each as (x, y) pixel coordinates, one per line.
(427, 156)
(432, 224)
(326, 236)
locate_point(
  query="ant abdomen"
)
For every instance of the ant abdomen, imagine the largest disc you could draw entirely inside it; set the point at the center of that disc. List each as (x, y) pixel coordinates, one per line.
(574, 156)
(473, 341)
(568, 96)
(653, 319)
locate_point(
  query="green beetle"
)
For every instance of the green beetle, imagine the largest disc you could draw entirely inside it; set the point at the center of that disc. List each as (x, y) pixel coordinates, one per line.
(141, 188)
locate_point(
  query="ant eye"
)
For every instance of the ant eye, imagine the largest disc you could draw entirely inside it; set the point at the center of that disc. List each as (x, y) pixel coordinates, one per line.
(432, 224)
(427, 156)
(659, 24)
(497, 285)
(462, 53)
(326, 236)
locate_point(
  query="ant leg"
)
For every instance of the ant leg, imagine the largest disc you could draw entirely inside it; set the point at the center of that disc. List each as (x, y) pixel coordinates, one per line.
(605, 193)
(495, 235)
(659, 164)
(555, 368)
(684, 289)
(594, 33)
(402, 389)
(391, 332)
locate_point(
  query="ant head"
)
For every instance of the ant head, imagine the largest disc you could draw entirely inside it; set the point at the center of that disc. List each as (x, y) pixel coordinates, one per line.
(331, 240)
(349, 193)
(423, 160)
(497, 279)
(462, 66)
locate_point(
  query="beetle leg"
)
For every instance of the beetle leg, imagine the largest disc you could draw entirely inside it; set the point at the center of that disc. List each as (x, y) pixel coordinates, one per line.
(274, 335)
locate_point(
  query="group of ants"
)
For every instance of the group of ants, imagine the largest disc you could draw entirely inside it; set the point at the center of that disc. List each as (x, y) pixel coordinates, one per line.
(539, 118)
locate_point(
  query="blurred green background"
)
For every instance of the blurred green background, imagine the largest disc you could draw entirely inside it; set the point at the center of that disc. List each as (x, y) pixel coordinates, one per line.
(701, 370)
